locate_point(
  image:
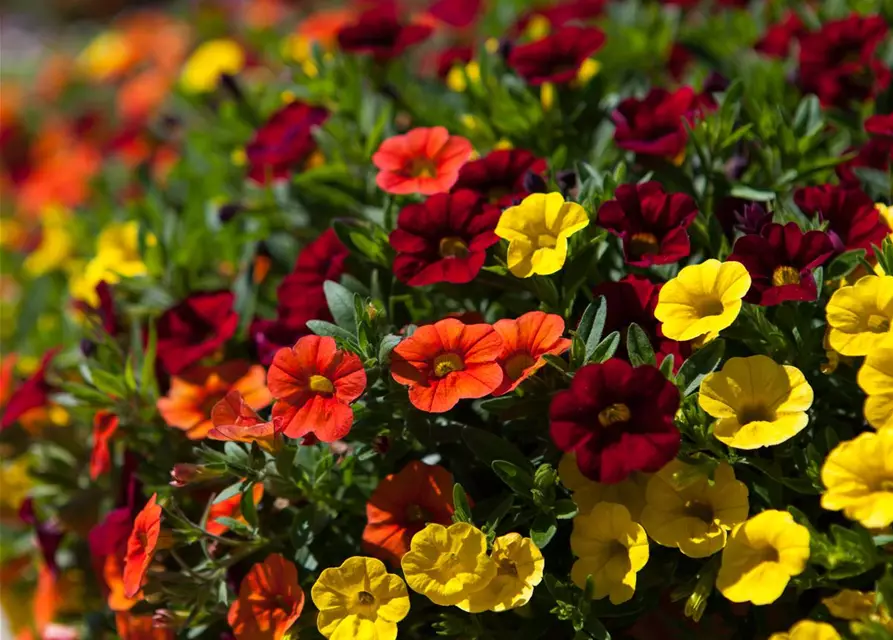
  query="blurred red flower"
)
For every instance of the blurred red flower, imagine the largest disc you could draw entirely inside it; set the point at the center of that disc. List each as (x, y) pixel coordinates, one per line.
(381, 33)
(194, 329)
(499, 176)
(557, 57)
(31, 394)
(105, 424)
(853, 220)
(456, 13)
(875, 154)
(283, 142)
(424, 160)
(655, 125)
(270, 601)
(451, 57)
(141, 546)
(780, 36)
(525, 341)
(880, 125)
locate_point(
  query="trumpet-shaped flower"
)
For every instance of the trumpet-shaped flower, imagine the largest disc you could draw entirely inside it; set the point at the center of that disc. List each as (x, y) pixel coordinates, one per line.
(270, 601)
(519, 568)
(236, 421)
(858, 479)
(860, 316)
(212, 59)
(525, 341)
(117, 256)
(876, 380)
(424, 160)
(141, 546)
(808, 630)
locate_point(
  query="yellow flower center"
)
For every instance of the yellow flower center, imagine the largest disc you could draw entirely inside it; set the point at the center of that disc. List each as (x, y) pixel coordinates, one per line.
(700, 510)
(505, 567)
(414, 513)
(447, 363)
(642, 244)
(516, 365)
(785, 275)
(546, 240)
(447, 562)
(453, 247)
(755, 413)
(617, 412)
(886, 485)
(365, 598)
(878, 323)
(768, 554)
(321, 384)
(709, 307)
(422, 168)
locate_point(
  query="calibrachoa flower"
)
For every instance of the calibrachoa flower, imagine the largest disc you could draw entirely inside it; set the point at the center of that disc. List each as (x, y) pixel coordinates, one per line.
(557, 57)
(117, 256)
(359, 600)
(499, 177)
(860, 316)
(448, 564)
(381, 33)
(687, 509)
(876, 380)
(780, 36)
(586, 493)
(283, 142)
(859, 607)
(402, 504)
(314, 383)
(424, 160)
(702, 300)
(780, 262)
(32, 394)
(525, 341)
(858, 479)
(235, 420)
(651, 223)
(761, 556)
(538, 230)
(443, 239)
(808, 630)
(194, 329)
(616, 419)
(141, 546)
(448, 361)
(611, 548)
(230, 508)
(853, 221)
(105, 424)
(270, 601)
(519, 568)
(759, 403)
(655, 125)
(208, 62)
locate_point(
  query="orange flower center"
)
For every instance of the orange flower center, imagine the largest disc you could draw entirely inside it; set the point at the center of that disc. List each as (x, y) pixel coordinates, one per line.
(878, 323)
(644, 244)
(321, 384)
(453, 247)
(517, 364)
(785, 275)
(617, 412)
(709, 307)
(447, 363)
(414, 513)
(757, 413)
(422, 168)
(699, 510)
(365, 598)
(505, 567)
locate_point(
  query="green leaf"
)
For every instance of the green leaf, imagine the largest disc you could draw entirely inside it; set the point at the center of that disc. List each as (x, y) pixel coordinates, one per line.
(750, 193)
(543, 529)
(807, 118)
(488, 447)
(341, 304)
(229, 492)
(844, 264)
(565, 509)
(666, 366)
(387, 345)
(323, 328)
(248, 506)
(236, 526)
(148, 382)
(518, 480)
(462, 511)
(638, 346)
(606, 348)
(499, 512)
(592, 325)
(703, 361)
(885, 589)
(110, 384)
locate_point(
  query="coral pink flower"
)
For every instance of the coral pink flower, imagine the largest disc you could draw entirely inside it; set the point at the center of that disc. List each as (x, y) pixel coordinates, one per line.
(424, 160)
(525, 341)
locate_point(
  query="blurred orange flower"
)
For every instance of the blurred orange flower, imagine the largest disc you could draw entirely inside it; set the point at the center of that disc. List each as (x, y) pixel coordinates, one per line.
(113, 573)
(527, 339)
(134, 627)
(141, 546)
(105, 424)
(230, 508)
(270, 601)
(236, 421)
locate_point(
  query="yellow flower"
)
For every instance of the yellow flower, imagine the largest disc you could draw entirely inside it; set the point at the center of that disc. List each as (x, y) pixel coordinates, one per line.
(858, 477)
(612, 549)
(16, 483)
(876, 380)
(588, 70)
(859, 607)
(212, 59)
(447, 564)
(808, 630)
(537, 231)
(702, 299)
(107, 55)
(547, 96)
(55, 243)
(759, 402)
(761, 556)
(519, 568)
(683, 509)
(359, 600)
(860, 315)
(117, 256)
(886, 212)
(587, 493)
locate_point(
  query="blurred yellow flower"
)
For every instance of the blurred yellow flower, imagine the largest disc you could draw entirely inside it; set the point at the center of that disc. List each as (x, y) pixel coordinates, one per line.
(55, 246)
(858, 478)
(117, 256)
(876, 380)
(859, 607)
(447, 564)
(16, 483)
(759, 402)
(359, 600)
(588, 70)
(537, 231)
(685, 509)
(611, 548)
(761, 556)
(860, 315)
(202, 71)
(519, 568)
(107, 56)
(703, 299)
(808, 630)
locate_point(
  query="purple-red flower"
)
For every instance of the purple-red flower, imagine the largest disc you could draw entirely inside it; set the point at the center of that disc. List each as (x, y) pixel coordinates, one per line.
(443, 239)
(283, 142)
(194, 329)
(780, 261)
(499, 177)
(875, 154)
(557, 57)
(780, 36)
(381, 33)
(880, 125)
(853, 220)
(32, 393)
(651, 223)
(456, 13)
(655, 125)
(451, 57)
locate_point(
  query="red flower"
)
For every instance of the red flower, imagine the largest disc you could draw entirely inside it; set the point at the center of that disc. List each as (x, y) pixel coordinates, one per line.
(456, 13)
(557, 57)
(617, 419)
(562, 13)
(381, 33)
(402, 504)
(141, 546)
(424, 160)
(874, 154)
(443, 239)
(499, 176)
(194, 329)
(525, 341)
(315, 383)
(230, 508)
(270, 601)
(451, 57)
(283, 142)
(105, 425)
(32, 394)
(880, 125)
(655, 125)
(780, 261)
(234, 420)
(853, 220)
(838, 62)
(447, 361)
(780, 36)
(651, 223)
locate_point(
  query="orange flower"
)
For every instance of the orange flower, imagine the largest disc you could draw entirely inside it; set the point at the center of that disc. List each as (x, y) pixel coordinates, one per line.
(322, 27)
(105, 425)
(193, 394)
(447, 361)
(527, 340)
(141, 546)
(230, 508)
(113, 573)
(402, 504)
(133, 627)
(46, 597)
(315, 383)
(270, 601)
(424, 160)
(236, 421)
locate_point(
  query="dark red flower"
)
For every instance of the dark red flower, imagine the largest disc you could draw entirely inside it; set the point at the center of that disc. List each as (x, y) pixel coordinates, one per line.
(452, 56)
(780, 261)
(194, 329)
(876, 154)
(616, 419)
(49, 533)
(780, 36)
(655, 125)
(838, 62)
(499, 177)
(456, 13)
(557, 57)
(443, 239)
(880, 125)
(32, 393)
(283, 142)
(105, 312)
(562, 13)
(381, 33)
(679, 61)
(853, 220)
(651, 223)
